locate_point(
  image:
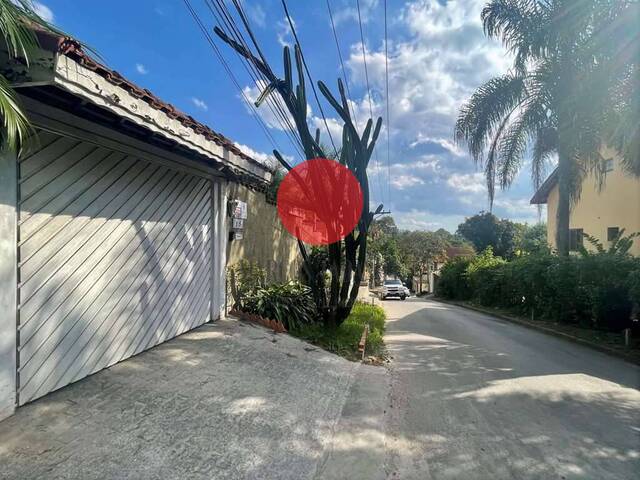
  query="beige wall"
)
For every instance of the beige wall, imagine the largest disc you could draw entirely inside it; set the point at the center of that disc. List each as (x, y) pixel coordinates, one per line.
(265, 239)
(616, 205)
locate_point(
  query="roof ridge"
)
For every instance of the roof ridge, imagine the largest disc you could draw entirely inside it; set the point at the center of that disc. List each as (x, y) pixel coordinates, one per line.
(72, 48)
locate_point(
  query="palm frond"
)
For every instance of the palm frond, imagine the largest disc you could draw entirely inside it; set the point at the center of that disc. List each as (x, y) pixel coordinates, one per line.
(482, 115)
(545, 145)
(15, 126)
(522, 25)
(19, 37)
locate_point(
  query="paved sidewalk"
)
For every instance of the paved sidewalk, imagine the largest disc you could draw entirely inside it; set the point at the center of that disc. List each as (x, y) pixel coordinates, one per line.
(227, 401)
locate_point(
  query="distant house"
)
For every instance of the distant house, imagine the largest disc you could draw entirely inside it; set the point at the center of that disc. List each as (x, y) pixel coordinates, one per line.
(601, 213)
(430, 278)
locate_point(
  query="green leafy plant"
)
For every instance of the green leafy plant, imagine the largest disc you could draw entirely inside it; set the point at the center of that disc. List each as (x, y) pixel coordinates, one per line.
(620, 245)
(290, 303)
(346, 257)
(344, 339)
(597, 290)
(453, 282)
(17, 18)
(245, 278)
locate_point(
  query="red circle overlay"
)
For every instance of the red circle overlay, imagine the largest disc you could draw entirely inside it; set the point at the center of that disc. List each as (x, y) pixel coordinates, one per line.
(320, 201)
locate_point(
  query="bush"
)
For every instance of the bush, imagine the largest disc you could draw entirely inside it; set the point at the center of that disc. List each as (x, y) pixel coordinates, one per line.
(484, 274)
(290, 303)
(244, 279)
(453, 282)
(344, 340)
(598, 290)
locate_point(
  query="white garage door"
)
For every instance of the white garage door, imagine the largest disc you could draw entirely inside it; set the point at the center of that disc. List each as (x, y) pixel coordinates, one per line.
(114, 258)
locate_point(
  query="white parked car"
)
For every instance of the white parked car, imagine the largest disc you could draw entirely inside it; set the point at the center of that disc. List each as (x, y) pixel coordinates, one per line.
(394, 288)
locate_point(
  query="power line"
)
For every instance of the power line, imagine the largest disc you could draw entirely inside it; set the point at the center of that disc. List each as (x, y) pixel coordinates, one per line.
(366, 76)
(344, 73)
(386, 74)
(255, 115)
(224, 18)
(306, 68)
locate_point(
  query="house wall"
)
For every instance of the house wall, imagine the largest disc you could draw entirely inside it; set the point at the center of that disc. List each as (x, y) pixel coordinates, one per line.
(8, 281)
(265, 241)
(616, 205)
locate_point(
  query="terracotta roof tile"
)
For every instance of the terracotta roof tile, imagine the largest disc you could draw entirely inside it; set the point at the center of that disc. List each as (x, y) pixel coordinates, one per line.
(73, 49)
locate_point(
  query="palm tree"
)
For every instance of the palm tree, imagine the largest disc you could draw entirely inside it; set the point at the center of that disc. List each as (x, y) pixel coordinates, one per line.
(16, 19)
(572, 88)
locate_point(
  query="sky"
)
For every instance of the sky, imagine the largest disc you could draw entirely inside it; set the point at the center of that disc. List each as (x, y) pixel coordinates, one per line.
(438, 55)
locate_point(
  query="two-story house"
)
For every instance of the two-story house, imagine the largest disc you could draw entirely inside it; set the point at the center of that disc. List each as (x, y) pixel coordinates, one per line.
(600, 212)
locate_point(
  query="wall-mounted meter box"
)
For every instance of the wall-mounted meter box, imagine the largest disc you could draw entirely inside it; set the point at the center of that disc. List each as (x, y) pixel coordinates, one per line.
(238, 209)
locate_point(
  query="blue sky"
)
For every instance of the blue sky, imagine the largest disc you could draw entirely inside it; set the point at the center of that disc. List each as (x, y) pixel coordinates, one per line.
(437, 56)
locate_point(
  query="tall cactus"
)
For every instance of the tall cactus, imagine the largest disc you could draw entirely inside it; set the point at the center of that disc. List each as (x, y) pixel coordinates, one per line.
(345, 264)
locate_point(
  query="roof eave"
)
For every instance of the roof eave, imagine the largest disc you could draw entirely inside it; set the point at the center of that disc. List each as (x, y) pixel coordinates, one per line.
(541, 196)
(87, 84)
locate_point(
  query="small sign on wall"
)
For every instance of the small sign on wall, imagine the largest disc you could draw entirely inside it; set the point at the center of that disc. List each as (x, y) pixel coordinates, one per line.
(238, 214)
(237, 223)
(238, 209)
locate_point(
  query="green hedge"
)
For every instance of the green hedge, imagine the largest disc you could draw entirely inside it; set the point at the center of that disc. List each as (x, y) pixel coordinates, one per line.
(598, 290)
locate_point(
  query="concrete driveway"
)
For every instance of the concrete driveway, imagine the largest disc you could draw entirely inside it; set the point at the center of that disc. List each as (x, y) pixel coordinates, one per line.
(225, 401)
(466, 396)
(479, 398)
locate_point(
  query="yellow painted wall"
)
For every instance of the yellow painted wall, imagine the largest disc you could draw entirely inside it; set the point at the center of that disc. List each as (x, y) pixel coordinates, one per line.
(265, 239)
(616, 205)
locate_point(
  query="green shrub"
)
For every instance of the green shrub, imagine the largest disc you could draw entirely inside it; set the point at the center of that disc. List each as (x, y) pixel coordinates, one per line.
(453, 282)
(290, 303)
(595, 289)
(244, 279)
(484, 274)
(344, 340)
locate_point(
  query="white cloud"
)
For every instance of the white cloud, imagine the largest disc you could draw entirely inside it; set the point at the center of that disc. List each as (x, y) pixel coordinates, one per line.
(200, 103)
(467, 182)
(43, 11)
(262, 157)
(404, 181)
(519, 209)
(350, 13)
(141, 69)
(256, 13)
(284, 32)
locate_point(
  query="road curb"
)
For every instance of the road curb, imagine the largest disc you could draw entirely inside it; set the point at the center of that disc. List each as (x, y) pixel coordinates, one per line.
(601, 348)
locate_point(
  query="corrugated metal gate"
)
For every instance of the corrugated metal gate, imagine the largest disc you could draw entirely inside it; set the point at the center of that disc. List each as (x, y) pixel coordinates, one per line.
(114, 257)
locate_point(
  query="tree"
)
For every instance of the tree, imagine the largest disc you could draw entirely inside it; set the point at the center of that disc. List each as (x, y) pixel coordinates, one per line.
(534, 239)
(486, 230)
(420, 249)
(383, 251)
(16, 19)
(346, 258)
(573, 87)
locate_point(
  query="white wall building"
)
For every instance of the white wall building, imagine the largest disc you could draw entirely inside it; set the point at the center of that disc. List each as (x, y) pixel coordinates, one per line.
(112, 223)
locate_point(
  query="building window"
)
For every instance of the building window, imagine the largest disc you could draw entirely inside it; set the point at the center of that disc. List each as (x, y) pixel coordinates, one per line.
(608, 165)
(576, 238)
(612, 233)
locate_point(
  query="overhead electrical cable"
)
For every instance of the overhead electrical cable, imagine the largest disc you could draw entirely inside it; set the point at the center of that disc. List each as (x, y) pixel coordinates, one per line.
(386, 74)
(224, 19)
(344, 73)
(225, 65)
(366, 76)
(306, 68)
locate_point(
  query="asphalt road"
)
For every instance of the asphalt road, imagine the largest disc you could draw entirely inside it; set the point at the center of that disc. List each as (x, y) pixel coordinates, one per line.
(473, 397)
